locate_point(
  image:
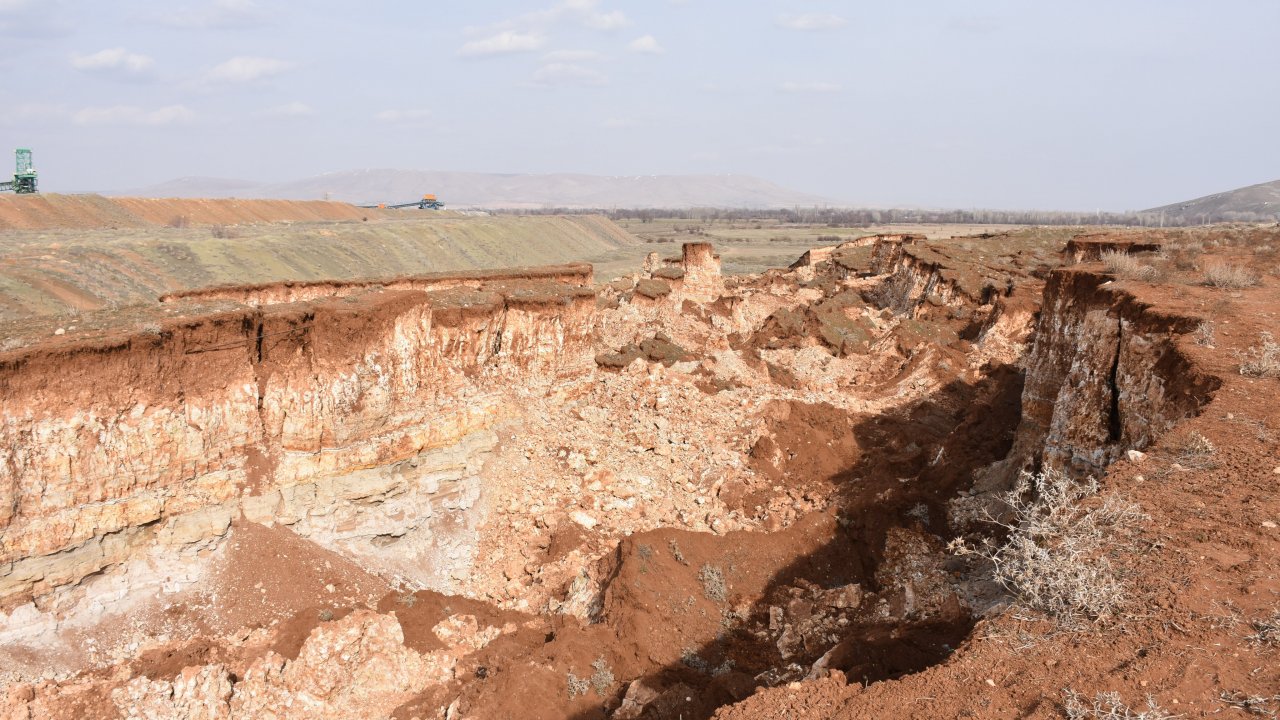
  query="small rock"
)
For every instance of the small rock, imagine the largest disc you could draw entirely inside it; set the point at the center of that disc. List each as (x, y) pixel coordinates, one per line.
(330, 588)
(583, 519)
(1276, 471)
(1268, 525)
(991, 682)
(1136, 456)
(60, 331)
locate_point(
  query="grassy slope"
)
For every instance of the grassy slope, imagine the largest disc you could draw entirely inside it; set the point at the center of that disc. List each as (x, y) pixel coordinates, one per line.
(50, 272)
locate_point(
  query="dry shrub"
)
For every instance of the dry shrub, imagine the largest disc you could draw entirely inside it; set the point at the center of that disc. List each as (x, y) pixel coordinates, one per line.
(1266, 630)
(1056, 557)
(1261, 361)
(713, 584)
(1229, 277)
(1129, 267)
(1110, 706)
(1196, 452)
(1204, 334)
(179, 221)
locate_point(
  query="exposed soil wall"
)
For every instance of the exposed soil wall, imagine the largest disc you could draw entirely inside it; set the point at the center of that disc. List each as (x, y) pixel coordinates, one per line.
(1105, 375)
(175, 432)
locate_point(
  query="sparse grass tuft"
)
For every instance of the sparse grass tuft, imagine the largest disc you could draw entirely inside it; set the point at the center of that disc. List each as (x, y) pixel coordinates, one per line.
(675, 552)
(1056, 558)
(1261, 361)
(713, 585)
(602, 679)
(1129, 267)
(1250, 704)
(1266, 631)
(1204, 334)
(578, 686)
(1110, 706)
(1229, 277)
(1196, 452)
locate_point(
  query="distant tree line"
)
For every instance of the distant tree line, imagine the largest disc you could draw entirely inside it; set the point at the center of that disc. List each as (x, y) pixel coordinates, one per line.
(844, 217)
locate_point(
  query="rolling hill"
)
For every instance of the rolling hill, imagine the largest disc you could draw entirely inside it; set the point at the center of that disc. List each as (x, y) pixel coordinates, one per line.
(1255, 203)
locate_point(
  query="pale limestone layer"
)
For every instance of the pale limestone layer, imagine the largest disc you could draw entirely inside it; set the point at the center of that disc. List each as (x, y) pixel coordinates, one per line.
(166, 438)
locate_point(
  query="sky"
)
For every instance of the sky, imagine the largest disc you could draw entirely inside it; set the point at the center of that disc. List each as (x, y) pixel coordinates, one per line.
(1113, 105)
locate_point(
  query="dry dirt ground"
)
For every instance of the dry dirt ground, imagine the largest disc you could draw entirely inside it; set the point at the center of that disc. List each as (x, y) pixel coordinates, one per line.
(745, 510)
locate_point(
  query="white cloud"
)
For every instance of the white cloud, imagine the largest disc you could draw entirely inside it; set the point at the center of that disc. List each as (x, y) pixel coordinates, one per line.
(293, 109)
(605, 21)
(809, 86)
(538, 22)
(812, 22)
(647, 44)
(220, 14)
(572, 56)
(32, 112)
(245, 69)
(133, 115)
(411, 116)
(569, 74)
(116, 60)
(618, 123)
(503, 43)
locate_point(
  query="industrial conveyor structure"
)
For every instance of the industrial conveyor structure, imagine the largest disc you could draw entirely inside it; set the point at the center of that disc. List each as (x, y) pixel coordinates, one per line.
(24, 174)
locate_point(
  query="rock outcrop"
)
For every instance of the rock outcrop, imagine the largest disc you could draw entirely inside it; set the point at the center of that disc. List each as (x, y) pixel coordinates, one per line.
(290, 412)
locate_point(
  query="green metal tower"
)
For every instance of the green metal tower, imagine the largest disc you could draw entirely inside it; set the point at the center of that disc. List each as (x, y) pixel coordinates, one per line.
(24, 175)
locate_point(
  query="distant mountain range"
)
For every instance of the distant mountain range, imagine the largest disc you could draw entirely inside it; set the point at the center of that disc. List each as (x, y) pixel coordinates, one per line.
(462, 189)
(1255, 203)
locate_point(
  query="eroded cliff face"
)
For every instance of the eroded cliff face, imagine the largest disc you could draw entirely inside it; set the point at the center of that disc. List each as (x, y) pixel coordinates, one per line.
(1105, 376)
(357, 419)
(748, 498)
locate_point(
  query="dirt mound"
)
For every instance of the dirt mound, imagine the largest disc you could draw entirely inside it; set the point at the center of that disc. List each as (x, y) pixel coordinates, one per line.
(84, 212)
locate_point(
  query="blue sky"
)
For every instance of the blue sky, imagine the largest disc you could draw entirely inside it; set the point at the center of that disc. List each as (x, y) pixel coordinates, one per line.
(1115, 105)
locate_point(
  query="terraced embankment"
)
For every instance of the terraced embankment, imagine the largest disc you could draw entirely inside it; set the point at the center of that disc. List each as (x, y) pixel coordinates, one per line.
(61, 271)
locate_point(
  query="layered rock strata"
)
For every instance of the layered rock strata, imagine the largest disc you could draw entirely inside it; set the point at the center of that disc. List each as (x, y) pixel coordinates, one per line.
(330, 415)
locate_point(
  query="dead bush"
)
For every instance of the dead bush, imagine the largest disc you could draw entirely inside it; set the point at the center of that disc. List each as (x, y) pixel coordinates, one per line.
(1229, 277)
(1261, 361)
(713, 585)
(1204, 334)
(1266, 630)
(1056, 558)
(224, 232)
(603, 678)
(577, 686)
(1110, 706)
(1196, 452)
(179, 221)
(1250, 704)
(1130, 267)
